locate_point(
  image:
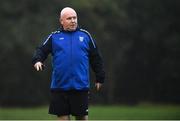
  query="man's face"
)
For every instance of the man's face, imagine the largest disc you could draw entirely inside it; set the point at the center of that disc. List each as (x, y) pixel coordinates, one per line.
(69, 21)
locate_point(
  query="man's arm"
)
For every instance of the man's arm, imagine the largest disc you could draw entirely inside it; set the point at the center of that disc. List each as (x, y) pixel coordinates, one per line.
(97, 64)
(41, 53)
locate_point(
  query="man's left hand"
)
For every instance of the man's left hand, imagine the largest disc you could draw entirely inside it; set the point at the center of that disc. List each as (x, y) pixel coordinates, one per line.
(98, 86)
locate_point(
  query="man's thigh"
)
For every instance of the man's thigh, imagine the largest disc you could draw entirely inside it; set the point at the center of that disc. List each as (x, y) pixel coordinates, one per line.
(59, 104)
(78, 103)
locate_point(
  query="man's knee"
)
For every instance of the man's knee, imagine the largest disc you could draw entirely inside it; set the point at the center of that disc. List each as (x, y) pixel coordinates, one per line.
(82, 117)
(65, 117)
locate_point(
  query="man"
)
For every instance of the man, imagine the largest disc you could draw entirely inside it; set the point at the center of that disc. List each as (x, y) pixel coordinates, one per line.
(72, 50)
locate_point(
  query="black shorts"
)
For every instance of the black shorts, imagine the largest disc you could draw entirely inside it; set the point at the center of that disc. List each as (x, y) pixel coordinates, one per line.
(69, 103)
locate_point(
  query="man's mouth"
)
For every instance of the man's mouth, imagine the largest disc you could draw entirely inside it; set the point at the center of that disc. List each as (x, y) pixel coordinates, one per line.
(74, 25)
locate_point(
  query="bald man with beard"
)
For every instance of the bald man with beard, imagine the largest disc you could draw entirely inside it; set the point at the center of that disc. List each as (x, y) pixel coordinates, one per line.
(73, 51)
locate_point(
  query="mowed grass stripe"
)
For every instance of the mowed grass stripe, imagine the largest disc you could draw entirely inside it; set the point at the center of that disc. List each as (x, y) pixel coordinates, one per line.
(153, 112)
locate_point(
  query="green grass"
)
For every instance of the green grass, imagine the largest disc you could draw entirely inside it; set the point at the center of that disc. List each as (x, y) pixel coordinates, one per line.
(141, 112)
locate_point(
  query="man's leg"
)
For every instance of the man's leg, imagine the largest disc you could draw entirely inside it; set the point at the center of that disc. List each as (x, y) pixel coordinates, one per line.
(65, 117)
(79, 104)
(59, 105)
(85, 118)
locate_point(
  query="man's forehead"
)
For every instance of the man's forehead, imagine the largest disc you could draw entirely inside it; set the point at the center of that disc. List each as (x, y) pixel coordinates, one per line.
(67, 11)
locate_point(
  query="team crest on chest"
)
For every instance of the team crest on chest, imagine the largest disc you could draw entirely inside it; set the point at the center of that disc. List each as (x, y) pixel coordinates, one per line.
(81, 39)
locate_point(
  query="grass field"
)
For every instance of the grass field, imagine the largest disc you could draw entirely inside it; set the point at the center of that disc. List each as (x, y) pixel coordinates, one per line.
(141, 112)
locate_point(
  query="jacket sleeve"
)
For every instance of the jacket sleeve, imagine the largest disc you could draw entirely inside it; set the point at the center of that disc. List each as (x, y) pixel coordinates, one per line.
(42, 51)
(96, 62)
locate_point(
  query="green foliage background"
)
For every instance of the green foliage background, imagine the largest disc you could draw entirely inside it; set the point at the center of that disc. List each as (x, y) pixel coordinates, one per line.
(139, 41)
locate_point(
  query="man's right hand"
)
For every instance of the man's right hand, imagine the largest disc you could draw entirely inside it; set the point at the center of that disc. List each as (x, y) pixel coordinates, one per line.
(38, 66)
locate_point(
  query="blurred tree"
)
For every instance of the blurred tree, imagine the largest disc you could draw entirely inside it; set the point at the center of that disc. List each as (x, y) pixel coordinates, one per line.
(139, 41)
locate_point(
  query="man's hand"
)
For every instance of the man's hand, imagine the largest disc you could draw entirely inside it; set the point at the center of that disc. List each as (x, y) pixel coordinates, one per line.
(38, 66)
(98, 86)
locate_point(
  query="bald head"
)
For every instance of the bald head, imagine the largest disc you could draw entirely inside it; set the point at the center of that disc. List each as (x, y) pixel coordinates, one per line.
(67, 10)
(68, 19)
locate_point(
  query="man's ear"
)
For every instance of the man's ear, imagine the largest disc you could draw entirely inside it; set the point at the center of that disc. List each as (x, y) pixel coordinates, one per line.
(60, 21)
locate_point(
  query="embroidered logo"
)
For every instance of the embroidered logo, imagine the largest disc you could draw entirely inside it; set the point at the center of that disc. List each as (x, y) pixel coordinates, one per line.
(81, 39)
(61, 38)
